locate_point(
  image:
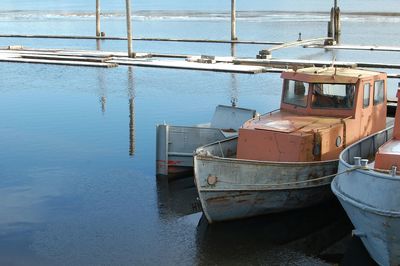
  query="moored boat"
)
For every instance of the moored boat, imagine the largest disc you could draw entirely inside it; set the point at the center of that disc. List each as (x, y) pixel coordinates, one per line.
(175, 144)
(286, 159)
(369, 192)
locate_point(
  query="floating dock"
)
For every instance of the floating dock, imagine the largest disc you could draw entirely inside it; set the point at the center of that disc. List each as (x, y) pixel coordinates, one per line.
(105, 59)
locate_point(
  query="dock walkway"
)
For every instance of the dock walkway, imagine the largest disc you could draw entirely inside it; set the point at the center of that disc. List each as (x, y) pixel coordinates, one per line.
(108, 59)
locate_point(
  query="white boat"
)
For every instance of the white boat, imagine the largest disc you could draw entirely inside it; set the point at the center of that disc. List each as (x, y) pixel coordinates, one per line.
(286, 159)
(175, 144)
(370, 192)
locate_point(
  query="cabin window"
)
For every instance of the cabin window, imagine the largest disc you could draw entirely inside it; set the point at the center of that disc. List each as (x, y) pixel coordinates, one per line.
(379, 92)
(366, 97)
(333, 95)
(295, 92)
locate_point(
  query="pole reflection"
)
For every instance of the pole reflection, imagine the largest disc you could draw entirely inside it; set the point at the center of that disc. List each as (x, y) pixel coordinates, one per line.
(234, 83)
(177, 197)
(131, 96)
(102, 90)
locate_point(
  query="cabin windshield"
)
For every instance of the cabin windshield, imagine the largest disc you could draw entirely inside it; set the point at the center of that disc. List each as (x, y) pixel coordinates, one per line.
(333, 96)
(295, 92)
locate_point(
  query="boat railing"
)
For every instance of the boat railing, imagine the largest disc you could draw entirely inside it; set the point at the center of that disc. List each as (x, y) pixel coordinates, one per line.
(270, 112)
(367, 147)
(223, 148)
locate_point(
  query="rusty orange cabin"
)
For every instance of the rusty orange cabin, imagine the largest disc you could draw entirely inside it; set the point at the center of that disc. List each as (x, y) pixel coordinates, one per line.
(322, 111)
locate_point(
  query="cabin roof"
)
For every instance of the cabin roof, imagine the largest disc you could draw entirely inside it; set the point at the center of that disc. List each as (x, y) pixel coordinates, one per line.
(346, 72)
(331, 74)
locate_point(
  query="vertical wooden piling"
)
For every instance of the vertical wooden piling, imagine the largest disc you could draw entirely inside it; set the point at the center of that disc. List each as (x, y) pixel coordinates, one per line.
(129, 28)
(233, 20)
(334, 26)
(98, 30)
(337, 24)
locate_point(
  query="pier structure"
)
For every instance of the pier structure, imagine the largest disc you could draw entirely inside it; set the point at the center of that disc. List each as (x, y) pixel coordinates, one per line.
(262, 64)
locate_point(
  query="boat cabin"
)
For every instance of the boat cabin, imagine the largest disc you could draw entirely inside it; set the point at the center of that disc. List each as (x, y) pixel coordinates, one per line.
(323, 110)
(388, 155)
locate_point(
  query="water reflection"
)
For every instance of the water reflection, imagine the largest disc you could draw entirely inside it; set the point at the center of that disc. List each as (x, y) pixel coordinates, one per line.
(98, 44)
(131, 95)
(177, 197)
(102, 89)
(278, 237)
(234, 83)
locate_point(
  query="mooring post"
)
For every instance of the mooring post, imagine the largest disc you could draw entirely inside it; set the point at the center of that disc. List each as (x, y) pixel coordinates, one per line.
(334, 24)
(233, 20)
(128, 28)
(335, 20)
(98, 31)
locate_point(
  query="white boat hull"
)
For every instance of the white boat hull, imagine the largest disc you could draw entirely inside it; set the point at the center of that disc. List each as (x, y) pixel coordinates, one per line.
(371, 200)
(233, 189)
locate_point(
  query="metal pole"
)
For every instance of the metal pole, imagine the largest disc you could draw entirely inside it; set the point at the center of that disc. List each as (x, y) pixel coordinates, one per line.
(128, 27)
(98, 32)
(233, 20)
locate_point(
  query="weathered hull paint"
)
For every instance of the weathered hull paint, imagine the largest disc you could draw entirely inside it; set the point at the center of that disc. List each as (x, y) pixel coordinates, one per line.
(245, 188)
(223, 206)
(371, 200)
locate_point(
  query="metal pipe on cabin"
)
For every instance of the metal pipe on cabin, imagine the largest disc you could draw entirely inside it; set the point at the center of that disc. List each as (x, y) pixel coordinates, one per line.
(98, 31)
(129, 28)
(357, 161)
(233, 20)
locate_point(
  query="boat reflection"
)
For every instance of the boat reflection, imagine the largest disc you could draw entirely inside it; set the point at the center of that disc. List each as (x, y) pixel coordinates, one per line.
(177, 197)
(308, 231)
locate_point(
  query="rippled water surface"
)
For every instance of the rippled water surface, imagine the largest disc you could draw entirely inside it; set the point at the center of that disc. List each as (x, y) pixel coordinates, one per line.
(77, 145)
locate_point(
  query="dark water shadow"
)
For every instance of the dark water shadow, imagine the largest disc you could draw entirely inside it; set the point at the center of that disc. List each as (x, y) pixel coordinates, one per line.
(356, 254)
(177, 196)
(307, 231)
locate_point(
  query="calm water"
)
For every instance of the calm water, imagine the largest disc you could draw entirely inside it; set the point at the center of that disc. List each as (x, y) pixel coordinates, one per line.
(77, 145)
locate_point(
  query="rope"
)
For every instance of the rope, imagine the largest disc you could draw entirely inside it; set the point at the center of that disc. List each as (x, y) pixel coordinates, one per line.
(298, 182)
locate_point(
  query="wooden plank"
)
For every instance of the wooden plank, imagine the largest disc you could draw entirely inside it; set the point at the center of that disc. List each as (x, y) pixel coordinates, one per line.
(218, 67)
(304, 63)
(291, 62)
(67, 58)
(57, 62)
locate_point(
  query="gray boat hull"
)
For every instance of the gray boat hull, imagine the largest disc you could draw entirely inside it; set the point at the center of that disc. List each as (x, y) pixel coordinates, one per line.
(175, 144)
(233, 189)
(371, 200)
